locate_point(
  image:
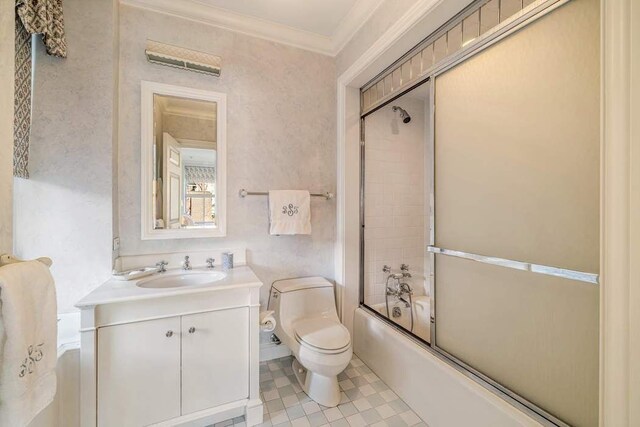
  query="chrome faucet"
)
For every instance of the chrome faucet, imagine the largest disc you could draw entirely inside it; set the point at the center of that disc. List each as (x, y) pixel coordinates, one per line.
(162, 266)
(401, 289)
(186, 264)
(404, 288)
(211, 263)
(405, 271)
(399, 293)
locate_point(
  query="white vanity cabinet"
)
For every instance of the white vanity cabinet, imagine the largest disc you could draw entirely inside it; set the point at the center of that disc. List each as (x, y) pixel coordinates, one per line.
(156, 370)
(139, 373)
(215, 358)
(177, 358)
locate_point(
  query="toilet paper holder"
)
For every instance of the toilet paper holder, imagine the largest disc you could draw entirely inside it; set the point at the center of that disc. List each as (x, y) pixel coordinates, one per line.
(267, 321)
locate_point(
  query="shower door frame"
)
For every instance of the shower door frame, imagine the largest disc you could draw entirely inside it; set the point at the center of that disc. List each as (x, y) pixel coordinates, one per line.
(502, 31)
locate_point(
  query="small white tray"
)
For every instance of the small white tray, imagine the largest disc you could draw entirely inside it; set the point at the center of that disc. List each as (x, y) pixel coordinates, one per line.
(134, 274)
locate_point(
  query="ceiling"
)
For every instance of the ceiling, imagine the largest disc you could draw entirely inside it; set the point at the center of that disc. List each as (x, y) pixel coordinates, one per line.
(315, 16)
(323, 26)
(198, 157)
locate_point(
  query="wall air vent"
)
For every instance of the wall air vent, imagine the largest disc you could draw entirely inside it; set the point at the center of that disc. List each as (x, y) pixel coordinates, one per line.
(186, 59)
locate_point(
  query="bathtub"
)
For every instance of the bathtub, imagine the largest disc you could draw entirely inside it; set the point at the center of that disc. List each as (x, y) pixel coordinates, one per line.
(440, 394)
(421, 315)
(64, 411)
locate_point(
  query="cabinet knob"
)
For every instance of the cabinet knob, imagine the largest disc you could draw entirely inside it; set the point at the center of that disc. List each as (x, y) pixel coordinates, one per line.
(169, 334)
(192, 330)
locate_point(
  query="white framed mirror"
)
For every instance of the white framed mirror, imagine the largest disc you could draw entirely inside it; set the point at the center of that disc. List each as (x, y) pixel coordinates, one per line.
(183, 162)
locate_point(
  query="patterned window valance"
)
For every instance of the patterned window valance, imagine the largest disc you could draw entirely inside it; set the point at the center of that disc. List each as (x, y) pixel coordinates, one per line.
(200, 174)
(32, 17)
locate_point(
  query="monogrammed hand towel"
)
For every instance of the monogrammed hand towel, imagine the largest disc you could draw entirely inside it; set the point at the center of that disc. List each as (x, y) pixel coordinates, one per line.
(28, 341)
(290, 212)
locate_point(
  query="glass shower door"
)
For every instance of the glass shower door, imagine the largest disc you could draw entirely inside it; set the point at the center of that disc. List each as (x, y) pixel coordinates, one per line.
(397, 181)
(516, 196)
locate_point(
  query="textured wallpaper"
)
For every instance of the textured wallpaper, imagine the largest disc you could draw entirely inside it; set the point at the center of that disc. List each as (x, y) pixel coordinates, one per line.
(64, 211)
(280, 135)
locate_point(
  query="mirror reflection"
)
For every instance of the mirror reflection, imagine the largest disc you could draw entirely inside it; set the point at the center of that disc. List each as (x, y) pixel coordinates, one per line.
(185, 156)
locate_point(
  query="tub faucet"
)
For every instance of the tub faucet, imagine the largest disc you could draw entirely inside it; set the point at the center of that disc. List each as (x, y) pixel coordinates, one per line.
(404, 288)
(401, 289)
(186, 264)
(399, 294)
(405, 271)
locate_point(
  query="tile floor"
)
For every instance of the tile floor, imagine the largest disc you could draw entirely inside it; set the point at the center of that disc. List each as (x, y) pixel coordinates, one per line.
(366, 400)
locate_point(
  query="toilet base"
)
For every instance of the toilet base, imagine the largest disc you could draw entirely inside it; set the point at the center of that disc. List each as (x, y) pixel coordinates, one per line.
(321, 389)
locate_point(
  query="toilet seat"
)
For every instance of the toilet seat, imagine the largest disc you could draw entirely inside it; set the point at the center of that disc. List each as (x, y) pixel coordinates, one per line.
(323, 335)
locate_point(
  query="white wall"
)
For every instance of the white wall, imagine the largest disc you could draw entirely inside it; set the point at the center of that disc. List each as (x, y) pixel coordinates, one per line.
(6, 123)
(64, 211)
(281, 134)
(115, 54)
(380, 21)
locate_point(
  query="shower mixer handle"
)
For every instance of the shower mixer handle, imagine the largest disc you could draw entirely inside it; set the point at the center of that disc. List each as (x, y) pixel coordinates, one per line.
(405, 271)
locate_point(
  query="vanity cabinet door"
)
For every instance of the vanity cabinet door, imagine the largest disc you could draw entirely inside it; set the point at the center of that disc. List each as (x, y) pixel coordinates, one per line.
(215, 358)
(139, 373)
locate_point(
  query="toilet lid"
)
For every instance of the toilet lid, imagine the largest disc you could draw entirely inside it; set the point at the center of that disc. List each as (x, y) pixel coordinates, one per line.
(322, 333)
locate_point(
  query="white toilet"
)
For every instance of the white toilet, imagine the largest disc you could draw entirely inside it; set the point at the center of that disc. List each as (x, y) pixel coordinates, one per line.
(307, 322)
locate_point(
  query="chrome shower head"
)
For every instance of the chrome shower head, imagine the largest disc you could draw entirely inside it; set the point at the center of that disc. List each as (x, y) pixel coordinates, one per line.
(406, 118)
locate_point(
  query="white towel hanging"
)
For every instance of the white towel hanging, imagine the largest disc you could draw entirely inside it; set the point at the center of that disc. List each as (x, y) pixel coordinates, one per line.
(28, 339)
(289, 212)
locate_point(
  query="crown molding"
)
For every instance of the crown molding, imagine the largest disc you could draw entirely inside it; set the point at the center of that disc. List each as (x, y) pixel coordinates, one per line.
(222, 18)
(268, 30)
(185, 112)
(359, 14)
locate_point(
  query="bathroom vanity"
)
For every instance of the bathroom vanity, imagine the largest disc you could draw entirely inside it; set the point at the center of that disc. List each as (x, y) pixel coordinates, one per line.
(174, 348)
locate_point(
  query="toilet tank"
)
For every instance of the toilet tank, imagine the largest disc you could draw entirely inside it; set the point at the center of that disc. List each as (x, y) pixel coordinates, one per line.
(307, 297)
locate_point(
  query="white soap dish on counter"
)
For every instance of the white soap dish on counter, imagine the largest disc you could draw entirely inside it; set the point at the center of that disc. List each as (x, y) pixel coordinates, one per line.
(134, 274)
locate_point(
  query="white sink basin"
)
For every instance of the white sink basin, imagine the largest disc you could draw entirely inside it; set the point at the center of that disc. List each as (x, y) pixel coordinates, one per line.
(191, 278)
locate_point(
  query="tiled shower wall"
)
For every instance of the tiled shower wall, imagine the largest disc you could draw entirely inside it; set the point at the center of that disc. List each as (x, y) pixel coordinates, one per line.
(396, 203)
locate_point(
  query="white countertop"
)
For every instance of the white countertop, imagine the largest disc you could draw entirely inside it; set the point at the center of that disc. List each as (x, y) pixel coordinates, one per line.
(114, 291)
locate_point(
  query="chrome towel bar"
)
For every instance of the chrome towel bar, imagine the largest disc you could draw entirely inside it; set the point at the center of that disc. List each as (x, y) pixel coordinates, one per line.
(519, 265)
(245, 193)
